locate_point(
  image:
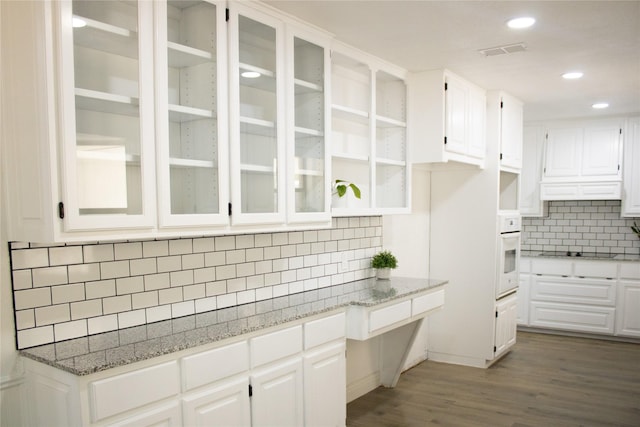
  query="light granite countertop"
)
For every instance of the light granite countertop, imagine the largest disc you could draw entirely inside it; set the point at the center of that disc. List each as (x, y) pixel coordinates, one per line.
(86, 355)
(583, 255)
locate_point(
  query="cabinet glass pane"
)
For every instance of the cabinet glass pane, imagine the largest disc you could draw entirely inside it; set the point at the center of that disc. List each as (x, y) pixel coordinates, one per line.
(193, 136)
(106, 69)
(309, 126)
(258, 114)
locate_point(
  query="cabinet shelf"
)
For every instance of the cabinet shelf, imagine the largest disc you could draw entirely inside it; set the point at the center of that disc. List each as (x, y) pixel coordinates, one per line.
(190, 163)
(303, 87)
(388, 122)
(181, 56)
(309, 172)
(106, 37)
(181, 113)
(348, 113)
(352, 157)
(257, 126)
(88, 139)
(104, 102)
(301, 131)
(390, 162)
(244, 167)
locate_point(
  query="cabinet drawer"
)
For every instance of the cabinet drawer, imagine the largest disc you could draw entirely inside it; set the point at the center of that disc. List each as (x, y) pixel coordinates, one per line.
(602, 269)
(276, 345)
(324, 330)
(630, 270)
(108, 397)
(427, 302)
(555, 267)
(389, 315)
(214, 365)
(581, 291)
(572, 317)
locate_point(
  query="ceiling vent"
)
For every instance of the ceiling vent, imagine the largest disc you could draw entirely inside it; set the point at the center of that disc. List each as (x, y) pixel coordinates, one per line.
(501, 50)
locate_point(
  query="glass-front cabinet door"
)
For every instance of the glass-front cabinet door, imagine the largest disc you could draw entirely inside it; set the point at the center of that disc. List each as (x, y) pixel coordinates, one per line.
(106, 72)
(256, 82)
(191, 113)
(307, 155)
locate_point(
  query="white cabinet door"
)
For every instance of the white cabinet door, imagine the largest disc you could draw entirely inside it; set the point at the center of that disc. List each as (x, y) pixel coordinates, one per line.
(531, 174)
(628, 308)
(572, 317)
(325, 400)
(476, 124)
(226, 404)
(107, 129)
(563, 152)
(523, 299)
(456, 115)
(191, 113)
(308, 156)
(511, 133)
(257, 116)
(631, 169)
(277, 394)
(601, 150)
(505, 324)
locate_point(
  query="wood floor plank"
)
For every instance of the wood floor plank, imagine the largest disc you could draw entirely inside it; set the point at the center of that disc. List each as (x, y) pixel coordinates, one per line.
(546, 380)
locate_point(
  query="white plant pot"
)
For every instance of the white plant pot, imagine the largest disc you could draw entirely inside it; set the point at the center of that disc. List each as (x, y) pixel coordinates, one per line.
(383, 273)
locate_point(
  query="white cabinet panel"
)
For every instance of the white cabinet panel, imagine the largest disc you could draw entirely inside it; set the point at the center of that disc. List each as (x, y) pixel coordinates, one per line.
(591, 268)
(275, 345)
(325, 389)
(574, 290)
(556, 267)
(628, 309)
(523, 299)
(563, 152)
(143, 387)
(572, 317)
(506, 324)
(278, 395)
(631, 169)
(164, 416)
(214, 365)
(389, 315)
(322, 331)
(427, 302)
(532, 152)
(511, 133)
(226, 404)
(601, 151)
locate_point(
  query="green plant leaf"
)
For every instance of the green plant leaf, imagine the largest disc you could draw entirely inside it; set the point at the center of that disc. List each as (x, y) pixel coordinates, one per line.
(341, 189)
(356, 190)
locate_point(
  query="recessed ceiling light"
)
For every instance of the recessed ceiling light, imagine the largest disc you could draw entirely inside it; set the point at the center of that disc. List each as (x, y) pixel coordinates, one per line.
(78, 22)
(250, 74)
(600, 105)
(523, 22)
(572, 75)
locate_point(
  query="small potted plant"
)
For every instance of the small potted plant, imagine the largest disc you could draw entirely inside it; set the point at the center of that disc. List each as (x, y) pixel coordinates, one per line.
(383, 262)
(340, 188)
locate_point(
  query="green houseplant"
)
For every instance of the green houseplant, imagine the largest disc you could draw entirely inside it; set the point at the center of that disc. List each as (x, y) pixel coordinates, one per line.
(636, 229)
(341, 187)
(383, 262)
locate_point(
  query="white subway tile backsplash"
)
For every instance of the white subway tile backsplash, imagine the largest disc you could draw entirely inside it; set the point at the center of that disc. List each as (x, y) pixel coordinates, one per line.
(22, 280)
(69, 330)
(67, 293)
(52, 314)
(31, 258)
(98, 253)
(31, 298)
(92, 288)
(65, 255)
(85, 309)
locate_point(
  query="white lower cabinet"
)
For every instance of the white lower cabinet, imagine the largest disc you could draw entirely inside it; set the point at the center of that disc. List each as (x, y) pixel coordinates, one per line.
(573, 317)
(523, 299)
(628, 315)
(292, 376)
(506, 324)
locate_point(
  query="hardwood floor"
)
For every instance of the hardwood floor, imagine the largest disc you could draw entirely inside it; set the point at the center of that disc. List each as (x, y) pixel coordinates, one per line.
(546, 380)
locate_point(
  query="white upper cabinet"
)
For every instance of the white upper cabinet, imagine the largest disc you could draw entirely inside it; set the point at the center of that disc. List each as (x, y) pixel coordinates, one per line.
(583, 160)
(368, 131)
(447, 117)
(631, 181)
(257, 116)
(308, 156)
(511, 133)
(532, 152)
(191, 118)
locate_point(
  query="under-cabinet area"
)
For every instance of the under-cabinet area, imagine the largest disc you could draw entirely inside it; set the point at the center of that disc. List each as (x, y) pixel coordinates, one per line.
(223, 368)
(580, 295)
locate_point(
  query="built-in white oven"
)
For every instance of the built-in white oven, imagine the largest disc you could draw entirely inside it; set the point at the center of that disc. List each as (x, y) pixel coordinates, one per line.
(509, 225)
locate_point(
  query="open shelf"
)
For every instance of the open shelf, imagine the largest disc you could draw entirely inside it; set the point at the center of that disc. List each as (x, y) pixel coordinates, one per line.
(244, 167)
(353, 157)
(302, 87)
(347, 113)
(190, 163)
(181, 113)
(106, 37)
(104, 102)
(390, 162)
(300, 131)
(388, 122)
(181, 56)
(88, 139)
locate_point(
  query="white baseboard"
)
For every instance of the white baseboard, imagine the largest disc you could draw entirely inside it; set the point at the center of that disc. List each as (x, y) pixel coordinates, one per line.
(363, 386)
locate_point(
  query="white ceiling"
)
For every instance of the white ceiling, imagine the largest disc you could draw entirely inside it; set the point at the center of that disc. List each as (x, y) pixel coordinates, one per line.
(600, 38)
